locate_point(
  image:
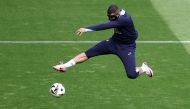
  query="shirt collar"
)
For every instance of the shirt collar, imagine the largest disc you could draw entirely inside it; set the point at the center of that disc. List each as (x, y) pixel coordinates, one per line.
(122, 12)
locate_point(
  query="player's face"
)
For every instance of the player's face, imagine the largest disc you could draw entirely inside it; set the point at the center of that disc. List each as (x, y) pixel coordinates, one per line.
(113, 16)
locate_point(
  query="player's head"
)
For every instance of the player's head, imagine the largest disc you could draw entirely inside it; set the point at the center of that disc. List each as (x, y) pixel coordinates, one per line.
(113, 12)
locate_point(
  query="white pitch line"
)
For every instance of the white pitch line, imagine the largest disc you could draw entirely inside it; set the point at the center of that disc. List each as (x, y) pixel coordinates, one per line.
(167, 42)
(46, 42)
(86, 42)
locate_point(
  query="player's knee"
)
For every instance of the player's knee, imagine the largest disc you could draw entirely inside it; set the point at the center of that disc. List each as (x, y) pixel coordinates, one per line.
(132, 75)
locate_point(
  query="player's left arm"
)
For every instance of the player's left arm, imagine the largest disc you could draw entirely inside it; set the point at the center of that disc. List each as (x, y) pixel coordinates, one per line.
(108, 25)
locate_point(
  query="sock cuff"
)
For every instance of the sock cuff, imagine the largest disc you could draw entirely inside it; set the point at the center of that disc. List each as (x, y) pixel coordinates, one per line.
(72, 61)
(137, 69)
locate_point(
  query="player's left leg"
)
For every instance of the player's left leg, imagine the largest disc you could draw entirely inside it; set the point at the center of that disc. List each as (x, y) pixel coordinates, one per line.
(128, 59)
(127, 55)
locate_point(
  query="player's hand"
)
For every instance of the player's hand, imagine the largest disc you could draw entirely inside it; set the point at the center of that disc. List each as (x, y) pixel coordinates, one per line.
(80, 31)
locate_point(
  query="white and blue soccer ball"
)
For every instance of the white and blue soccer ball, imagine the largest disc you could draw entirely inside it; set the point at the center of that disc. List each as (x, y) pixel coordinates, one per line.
(57, 90)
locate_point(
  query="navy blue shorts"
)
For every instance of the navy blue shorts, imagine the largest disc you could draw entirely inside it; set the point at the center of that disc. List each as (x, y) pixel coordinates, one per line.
(126, 52)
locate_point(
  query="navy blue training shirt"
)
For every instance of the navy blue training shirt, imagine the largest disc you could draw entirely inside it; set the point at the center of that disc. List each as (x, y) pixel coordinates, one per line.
(124, 30)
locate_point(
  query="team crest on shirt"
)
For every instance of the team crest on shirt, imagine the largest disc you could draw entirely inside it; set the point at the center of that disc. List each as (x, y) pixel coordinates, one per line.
(117, 31)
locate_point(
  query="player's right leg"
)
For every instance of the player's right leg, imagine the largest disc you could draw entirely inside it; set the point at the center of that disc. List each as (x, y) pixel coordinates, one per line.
(77, 59)
(99, 49)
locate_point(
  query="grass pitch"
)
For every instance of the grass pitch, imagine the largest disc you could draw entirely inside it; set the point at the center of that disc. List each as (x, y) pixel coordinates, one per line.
(26, 69)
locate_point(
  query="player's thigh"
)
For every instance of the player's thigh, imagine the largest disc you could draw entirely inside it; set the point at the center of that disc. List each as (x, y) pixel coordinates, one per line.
(101, 48)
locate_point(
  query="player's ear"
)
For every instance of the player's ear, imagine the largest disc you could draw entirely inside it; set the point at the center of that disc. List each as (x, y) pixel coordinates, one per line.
(118, 14)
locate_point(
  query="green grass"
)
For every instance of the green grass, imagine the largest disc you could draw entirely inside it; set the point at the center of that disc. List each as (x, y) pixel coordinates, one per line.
(100, 83)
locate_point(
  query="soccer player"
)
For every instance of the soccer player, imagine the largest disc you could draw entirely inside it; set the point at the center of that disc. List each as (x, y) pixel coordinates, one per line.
(122, 43)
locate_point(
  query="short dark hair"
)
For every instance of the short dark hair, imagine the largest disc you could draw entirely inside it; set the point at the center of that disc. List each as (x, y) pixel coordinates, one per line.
(112, 9)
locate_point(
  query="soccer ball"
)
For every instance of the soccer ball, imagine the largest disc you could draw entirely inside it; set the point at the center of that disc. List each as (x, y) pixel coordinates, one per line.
(57, 90)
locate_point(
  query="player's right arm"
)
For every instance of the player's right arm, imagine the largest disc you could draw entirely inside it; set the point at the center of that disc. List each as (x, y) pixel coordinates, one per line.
(80, 31)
